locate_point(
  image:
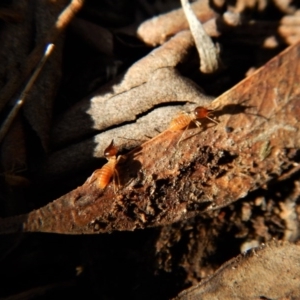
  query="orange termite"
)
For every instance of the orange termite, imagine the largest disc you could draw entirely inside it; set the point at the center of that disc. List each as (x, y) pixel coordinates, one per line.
(183, 120)
(108, 171)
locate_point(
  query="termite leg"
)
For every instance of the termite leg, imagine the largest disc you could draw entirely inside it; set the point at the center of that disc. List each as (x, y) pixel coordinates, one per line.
(211, 119)
(185, 129)
(196, 122)
(91, 177)
(116, 175)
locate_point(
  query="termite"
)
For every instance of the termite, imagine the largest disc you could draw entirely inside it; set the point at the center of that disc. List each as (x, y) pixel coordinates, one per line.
(109, 170)
(183, 120)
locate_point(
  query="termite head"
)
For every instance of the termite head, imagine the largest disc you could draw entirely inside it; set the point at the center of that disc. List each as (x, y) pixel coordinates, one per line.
(111, 150)
(201, 112)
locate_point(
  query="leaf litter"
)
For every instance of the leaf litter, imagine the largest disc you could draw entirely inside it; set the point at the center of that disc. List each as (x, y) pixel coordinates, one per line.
(224, 189)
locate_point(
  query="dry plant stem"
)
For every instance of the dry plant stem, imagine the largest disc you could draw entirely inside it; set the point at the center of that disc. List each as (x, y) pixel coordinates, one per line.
(63, 20)
(19, 103)
(162, 183)
(253, 274)
(209, 54)
(290, 173)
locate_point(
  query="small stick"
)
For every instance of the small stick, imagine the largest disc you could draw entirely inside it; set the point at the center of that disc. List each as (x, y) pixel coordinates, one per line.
(209, 54)
(51, 36)
(19, 103)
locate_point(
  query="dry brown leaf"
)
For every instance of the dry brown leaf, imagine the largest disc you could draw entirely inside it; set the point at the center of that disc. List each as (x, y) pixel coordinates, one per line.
(138, 106)
(159, 29)
(131, 95)
(254, 275)
(164, 182)
(161, 180)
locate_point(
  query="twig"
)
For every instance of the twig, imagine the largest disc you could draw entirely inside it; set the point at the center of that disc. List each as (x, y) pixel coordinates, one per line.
(209, 54)
(63, 20)
(19, 103)
(290, 173)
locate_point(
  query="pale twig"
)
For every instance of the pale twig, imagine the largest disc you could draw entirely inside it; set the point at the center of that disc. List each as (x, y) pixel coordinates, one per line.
(19, 77)
(209, 54)
(19, 103)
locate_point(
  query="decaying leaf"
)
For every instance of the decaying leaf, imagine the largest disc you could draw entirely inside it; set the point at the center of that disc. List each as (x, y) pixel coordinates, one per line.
(163, 182)
(131, 100)
(251, 156)
(254, 275)
(131, 94)
(137, 106)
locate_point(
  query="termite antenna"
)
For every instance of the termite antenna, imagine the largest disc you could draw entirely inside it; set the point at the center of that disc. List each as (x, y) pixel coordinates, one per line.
(209, 118)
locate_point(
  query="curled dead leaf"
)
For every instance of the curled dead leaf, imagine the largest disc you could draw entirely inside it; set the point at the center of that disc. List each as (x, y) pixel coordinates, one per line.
(270, 271)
